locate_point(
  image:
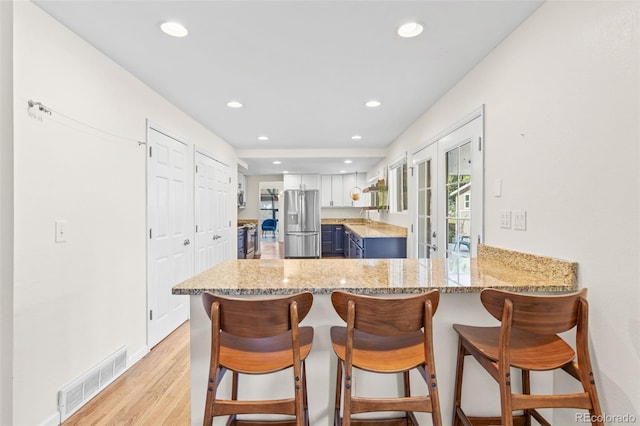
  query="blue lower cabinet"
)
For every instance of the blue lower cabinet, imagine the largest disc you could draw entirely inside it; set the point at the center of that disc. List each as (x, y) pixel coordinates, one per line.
(338, 239)
(241, 252)
(326, 236)
(332, 240)
(377, 248)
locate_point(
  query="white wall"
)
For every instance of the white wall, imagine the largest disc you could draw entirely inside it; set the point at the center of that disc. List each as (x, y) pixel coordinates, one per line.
(6, 210)
(77, 302)
(252, 195)
(568, 80)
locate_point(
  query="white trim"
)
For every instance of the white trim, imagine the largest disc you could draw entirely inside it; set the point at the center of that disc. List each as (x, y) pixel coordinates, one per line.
(52, 420)
(200, 150)
(478, 112)
(398, 161)
(136, 357)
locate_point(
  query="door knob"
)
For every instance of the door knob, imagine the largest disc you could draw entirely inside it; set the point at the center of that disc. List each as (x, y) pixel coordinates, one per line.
(187, 242)
(433, 247)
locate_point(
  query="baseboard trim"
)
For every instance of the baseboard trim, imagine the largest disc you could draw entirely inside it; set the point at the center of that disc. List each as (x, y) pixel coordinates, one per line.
(52, 420)
(134, 358)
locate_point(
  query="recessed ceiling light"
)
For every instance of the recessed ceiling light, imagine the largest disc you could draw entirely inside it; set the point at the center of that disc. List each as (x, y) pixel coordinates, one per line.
(284, 171)
(263, 138)
(234, 104)
(356, 137)
(348, 161)
(373, 103)
(410, 29)
(174, 29)
(277, 162)
(343, 171)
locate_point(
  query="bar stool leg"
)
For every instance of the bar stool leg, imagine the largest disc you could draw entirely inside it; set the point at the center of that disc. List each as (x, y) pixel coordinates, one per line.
(526, 390)
(336, 412)
(457, 396)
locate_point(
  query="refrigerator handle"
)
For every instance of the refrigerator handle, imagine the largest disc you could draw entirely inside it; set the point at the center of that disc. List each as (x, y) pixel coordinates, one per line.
(302, 208)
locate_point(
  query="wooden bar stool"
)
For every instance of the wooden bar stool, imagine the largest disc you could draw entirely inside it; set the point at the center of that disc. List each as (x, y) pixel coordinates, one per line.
(527, 339)
(385, 335)
(252, 336)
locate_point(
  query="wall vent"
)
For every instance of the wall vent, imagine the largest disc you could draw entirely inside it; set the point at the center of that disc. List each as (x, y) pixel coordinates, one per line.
(77, 393)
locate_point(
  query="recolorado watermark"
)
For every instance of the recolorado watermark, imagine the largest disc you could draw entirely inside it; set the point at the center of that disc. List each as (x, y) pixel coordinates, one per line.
(614, 419)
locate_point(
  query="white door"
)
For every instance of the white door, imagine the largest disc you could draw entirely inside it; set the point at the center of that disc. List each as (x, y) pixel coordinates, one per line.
(461, 189)
(449, 189)
(169, 260)
(212, 205)
(426, 239)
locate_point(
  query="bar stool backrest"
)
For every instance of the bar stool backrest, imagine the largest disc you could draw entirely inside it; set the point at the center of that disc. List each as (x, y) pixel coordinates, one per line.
(385, 316)
(535, 313)
(257, 318)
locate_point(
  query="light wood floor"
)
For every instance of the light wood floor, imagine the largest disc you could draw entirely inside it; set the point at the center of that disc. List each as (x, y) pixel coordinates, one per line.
(155, 391)
(271, 249)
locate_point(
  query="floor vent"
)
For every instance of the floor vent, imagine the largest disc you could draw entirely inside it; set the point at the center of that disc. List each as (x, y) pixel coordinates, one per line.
(80, 391)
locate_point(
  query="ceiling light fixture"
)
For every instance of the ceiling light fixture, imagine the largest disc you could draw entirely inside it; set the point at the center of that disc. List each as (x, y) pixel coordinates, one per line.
(410, 29)
(356, 137)
(343, 171)
(285, 172)
(234, 104)
(263, 138)
(277, 162)
(348, 161)
(373, 103)
(174, 29)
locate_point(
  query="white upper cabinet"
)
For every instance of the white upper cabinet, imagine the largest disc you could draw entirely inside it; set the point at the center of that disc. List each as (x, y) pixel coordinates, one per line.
(331, 191)
(335, 190)
(301, 181)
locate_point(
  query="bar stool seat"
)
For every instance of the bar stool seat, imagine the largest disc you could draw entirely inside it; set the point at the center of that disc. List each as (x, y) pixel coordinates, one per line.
(258, 336)
(524, 349)
(385, 335)
(380, 353)
(527, 339)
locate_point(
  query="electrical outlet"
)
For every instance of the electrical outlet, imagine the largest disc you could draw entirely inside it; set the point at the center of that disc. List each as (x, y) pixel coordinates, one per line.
(520, 220)
(505, 219)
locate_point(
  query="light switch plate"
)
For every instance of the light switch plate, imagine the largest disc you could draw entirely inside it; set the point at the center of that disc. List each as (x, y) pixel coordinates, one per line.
(505, 219)
(520, 220)
(497, 188)
(61, 231)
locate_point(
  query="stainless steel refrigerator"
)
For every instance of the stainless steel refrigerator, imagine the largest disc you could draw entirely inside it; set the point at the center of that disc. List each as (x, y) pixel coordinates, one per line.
(301, 223)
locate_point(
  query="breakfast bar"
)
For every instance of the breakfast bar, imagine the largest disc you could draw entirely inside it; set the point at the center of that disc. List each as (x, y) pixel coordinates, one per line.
(459, 281)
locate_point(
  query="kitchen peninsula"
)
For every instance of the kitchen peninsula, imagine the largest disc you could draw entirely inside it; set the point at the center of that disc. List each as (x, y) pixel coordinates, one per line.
(459, 280)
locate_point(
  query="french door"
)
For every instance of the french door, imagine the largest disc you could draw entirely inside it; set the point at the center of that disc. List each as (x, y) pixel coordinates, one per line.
(449, 190)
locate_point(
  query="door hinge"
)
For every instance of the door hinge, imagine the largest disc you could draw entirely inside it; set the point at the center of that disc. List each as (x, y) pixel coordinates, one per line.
(196, 228)
(150, 233)
(151, 315)
(150, 151)
(229, 179)
(479, 242)
(479, 143)
(196, 168)
(412, 228)
(229, 223)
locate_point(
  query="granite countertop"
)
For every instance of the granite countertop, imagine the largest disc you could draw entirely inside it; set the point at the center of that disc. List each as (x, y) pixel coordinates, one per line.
(380, 276)
(369, 230)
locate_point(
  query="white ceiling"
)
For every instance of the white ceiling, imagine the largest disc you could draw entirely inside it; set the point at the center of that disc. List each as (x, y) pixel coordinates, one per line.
(303, 69)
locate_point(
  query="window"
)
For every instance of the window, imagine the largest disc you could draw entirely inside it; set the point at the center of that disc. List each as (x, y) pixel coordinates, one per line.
(398, 188)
